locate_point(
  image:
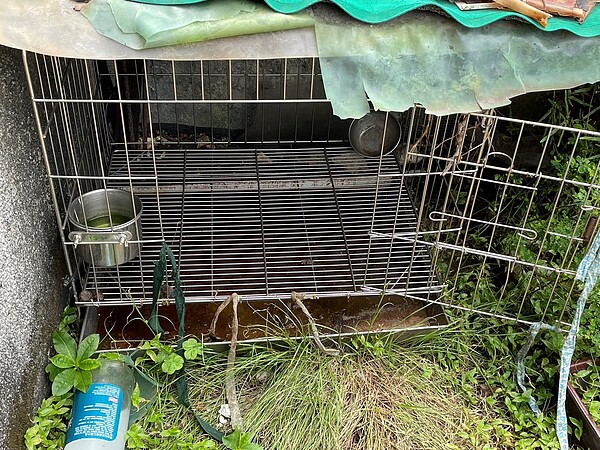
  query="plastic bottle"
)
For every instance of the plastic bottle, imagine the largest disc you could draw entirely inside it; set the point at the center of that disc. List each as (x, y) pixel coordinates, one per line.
(101, 415)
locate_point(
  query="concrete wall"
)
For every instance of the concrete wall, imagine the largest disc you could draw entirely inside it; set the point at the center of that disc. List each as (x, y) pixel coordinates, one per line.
(31, 261)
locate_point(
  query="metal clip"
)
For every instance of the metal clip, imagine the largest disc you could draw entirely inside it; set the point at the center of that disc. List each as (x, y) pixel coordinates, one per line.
(124, 240)
(525, 233)
(588, 208)
(497, 153)
(81, 237)
(76, 238)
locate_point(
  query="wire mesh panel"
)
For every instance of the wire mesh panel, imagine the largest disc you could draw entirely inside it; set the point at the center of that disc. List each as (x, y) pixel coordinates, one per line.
(244, 171)
(508, 208)
(265, 222)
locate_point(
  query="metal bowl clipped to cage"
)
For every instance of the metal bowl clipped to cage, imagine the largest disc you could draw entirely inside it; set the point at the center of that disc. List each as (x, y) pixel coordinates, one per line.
(106, 226)
(376, 134)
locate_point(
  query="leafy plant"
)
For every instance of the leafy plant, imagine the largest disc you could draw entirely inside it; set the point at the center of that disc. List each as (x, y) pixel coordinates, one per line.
(240, 441)
(576, 427)
(589, 333)
(587, 384)
(375, 347)
(72, 366)
(173, 437)
(192, 349)
(69, 368)
(49, 426)
(69, 319)
(137, 438)
(162, 355)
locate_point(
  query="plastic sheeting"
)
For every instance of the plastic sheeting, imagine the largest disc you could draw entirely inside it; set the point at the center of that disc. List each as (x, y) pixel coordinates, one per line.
(426, 59)
(169, 2)
(57, 28)
(377, 11)
(141, 26)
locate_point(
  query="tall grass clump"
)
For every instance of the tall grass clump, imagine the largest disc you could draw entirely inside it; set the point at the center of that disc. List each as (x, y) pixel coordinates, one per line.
(393, 397)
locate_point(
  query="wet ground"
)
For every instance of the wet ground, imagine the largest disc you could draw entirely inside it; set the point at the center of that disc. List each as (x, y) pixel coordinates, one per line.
(123, 327)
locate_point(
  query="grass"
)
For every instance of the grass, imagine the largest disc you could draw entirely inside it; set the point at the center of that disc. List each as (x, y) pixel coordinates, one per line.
(454, 389)
(371, 397)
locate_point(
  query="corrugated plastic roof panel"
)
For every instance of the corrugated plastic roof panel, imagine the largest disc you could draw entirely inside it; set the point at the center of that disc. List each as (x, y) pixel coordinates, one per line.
(377, 11)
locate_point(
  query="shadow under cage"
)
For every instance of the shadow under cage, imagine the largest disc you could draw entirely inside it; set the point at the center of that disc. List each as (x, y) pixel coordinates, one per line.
(243, 170)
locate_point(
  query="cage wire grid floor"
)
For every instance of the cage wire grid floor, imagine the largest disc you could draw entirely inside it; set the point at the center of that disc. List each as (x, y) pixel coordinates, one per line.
(263, 222)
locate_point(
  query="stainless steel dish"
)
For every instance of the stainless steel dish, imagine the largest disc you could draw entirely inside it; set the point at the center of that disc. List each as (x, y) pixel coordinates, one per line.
(375, 133)
(105, 226)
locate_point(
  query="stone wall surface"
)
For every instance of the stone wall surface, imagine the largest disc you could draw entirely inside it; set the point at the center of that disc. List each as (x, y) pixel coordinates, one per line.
(31, 261)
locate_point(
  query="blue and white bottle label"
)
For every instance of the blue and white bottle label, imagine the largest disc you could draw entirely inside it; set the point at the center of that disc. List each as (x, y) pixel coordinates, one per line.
(96, 413)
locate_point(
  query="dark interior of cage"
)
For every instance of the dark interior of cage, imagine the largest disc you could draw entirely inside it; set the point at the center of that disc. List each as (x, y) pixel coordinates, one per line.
(260, 198)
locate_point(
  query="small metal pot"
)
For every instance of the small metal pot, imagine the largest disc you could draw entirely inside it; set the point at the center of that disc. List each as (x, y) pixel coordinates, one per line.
(104, 223)
(375, 133)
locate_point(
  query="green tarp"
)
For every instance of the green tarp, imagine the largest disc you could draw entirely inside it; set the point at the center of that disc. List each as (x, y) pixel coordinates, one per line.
(141, 26)
(427, 59)
(418, 58)
(377, 11)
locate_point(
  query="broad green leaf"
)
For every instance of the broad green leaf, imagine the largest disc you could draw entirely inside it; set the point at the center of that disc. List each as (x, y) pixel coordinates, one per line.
(44, 412)
(32, 432)
(192, 348)
(244, 439)
(240, 441)
(113, 356)
(61, 411)
(232, 441)
(172, 363)
(62, 361)
(136, 397)
(88, 346)
(64, 344)
(45, 423)
(83, 380)
(52, 371)
(70, 311)
(145, 345)
(582, 373)
(63, 382)
(170, 432)
(69, 316)
(33, 441)
(161, 356)
(151, 354)
(89, 364)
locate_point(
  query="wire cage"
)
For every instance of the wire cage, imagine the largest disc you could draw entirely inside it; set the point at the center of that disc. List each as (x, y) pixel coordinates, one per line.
(244, 171)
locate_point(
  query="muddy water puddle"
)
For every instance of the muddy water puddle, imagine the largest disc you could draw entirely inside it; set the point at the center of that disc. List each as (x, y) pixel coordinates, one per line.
(124, 326)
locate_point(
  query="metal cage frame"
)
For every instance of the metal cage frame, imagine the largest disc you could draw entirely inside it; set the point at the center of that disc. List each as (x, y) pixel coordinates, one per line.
(245, 171)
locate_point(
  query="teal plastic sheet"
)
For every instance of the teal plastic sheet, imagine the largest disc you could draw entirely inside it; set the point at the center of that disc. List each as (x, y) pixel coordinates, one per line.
(168, 2)
(377, 11)
(423, 58)
(142, 26)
